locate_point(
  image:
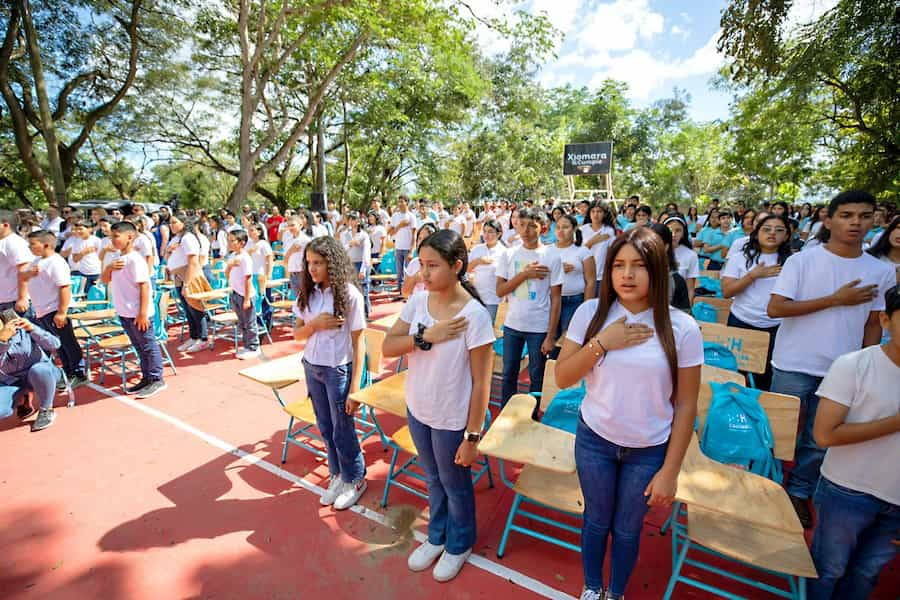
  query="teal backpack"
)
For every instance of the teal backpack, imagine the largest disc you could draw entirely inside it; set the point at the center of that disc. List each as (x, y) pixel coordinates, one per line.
(737, 431)
(565, 408)
(717, 355)
(703, 311)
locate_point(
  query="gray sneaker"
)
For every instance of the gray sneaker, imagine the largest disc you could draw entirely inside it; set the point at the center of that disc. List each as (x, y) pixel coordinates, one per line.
(77, 381)
(45, 419)
(151, 389)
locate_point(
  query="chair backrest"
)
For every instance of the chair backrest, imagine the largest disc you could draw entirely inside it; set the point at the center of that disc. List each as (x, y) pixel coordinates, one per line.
(550, 388)
(782, 410)
(711, 373)
(502, 309)
(97, 293)
(749, 346)
(374, 342)
(278, 271)
(710, 274)
(722, 306)
(159, 320)
(78, 282)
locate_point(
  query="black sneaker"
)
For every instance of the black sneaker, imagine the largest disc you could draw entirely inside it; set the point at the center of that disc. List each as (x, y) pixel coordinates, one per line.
(61, 384)
(151, 389)
(137, 387)
(77, 380)
(25, 410)
(801, 505)
(45, 419)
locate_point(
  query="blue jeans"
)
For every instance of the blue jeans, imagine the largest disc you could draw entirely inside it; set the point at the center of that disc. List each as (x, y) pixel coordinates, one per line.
(28, 314)
(196, 319)
(147, 348)
(852, 542)
(567, 309)
(613, 479)
(89, 280)
(492, 310)
(40, 379)
(246, 321)
(328, 388)
(513, 343)
(69, 351)
(805, 474)
(364, 284)
(451, 495)
(400, 264)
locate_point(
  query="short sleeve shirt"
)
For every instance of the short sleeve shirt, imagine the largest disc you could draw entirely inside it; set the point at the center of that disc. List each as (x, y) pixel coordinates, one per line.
(529, 304)
(14, 251)
(126, 282)
(53, 273)
(332, 348)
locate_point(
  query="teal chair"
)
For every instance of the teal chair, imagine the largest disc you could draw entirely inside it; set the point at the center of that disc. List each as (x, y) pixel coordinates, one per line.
(96, 297)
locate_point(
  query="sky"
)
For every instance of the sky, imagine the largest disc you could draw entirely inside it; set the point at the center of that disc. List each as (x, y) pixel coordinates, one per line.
(652, 45)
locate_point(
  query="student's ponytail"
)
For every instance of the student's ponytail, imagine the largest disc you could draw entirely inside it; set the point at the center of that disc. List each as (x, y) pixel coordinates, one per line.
(467, 285)
(451, 247)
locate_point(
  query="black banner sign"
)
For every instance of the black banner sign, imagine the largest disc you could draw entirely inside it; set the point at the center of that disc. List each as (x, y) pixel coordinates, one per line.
(587, 159)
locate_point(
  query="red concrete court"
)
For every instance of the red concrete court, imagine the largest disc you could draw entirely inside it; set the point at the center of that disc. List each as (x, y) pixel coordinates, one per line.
(148, 500)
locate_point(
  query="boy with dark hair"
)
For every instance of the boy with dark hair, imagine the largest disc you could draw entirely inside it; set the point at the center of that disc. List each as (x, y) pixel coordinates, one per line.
(828, 298)
(133, 301)
(14, 257)
(50, 288)
(82, 249)
(858, 496)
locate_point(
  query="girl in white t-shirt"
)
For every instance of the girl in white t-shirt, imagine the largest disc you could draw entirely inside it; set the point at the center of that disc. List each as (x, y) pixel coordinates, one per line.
(377, 233)
(641, 360)
(412, 280)
(579, 269)
(263, 258)
(330, 318)
(685, 256)
(887, 246)
(447, 333)
(359, 248)
(294, 251)
(239, 273)
(483, 262)
(183, 263)
(749, 277)
(598, 234)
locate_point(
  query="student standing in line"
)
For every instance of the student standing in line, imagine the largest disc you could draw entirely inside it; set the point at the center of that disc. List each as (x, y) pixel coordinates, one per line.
(484, 260)
(412, 280)
(296, 240)
(858, 496)
(678, 291)
(133, 301)
(597, 236)
(359, 248)
(641, 359)
(239, 273)
(263, 258)
(402, 224)
(81, 250)
(532, 278)
(714, 238)
(183, 263)
(828, 299)
(749, 276)
(579, 270)
(685, 256)
(50, 287)
(447, 334)
(887, 247)
(377, 233)
(15, 256)
(330, 317)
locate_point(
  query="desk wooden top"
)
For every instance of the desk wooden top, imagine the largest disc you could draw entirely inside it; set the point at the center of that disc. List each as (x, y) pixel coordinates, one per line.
(515, 436)
(274, 283)
(387, 322)
(277, 373)
(388, 395)
(94, 315)
(740, 495)
(210, 295)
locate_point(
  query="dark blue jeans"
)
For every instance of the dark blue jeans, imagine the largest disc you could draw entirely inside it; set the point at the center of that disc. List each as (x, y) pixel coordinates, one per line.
(147, 348)
(328, 388)
(613, 480)
(89, 280)
(567, 309)
(451, 495)
(763, 381)
(513, 343)
(196, 319)
(69, 352)
(852, 543)
(41, 379)
(808, 461)
(400, 264)
(364, 284)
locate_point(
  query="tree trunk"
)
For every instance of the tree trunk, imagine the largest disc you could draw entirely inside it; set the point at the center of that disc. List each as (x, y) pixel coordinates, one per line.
(49, 131)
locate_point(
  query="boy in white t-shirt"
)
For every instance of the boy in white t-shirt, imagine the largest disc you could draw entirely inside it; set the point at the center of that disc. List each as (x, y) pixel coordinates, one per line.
(858, 496)
(828, 299)
(294, 250)
(50, 287)
(401, 229)
(133, 302)
(14, 258)
(82, 250)
(239, 273)
(533, 278)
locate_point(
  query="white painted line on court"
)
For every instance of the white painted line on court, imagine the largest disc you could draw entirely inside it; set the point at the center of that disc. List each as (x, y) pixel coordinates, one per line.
(520, 579)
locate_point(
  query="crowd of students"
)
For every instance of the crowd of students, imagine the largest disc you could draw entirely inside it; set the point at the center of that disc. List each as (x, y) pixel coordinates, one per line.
(613, 289)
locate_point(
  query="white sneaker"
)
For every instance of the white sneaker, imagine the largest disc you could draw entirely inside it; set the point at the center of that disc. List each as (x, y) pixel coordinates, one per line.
(247, 354)
(592, 595)
(185, 345)
(449, 565)
(424, 556)
(335, 486)
(198, 346)
(349, 494)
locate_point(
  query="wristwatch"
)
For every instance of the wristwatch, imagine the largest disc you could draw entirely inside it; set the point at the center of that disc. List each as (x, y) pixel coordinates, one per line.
(473, 437)
(419, 339)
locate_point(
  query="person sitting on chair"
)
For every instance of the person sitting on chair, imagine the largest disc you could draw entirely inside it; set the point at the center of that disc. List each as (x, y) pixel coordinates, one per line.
(26, 368)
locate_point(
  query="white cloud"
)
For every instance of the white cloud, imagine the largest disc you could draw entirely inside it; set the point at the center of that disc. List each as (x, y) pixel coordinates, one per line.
(678, 31)
(561, 13)
(806, 11)
(618, 26)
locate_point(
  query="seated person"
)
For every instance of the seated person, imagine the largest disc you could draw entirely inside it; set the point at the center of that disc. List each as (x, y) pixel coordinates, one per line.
(26, 367)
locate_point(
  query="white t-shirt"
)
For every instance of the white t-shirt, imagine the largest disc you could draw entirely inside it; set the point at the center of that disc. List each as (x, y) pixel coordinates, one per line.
(411, 268)
(863, 381)
(319, 230)
(204, 249)
(573, 281)
(258, 252)
(529, 304)
(737, 246)
(89, 263)
(507, 238)
(600, 248)
(332, 347)
(403, 237)
(362, 251)
(469, 218)
(295, 262)
(484, 277)
(108, 250)
(457, 224)
(377, 234)
(127, 292)
(810, 343)
(143, 246)
(751, 305)
(52, 224)
(14, 251)
(688, 263)
(439, 386)
(186, 245)
(629, 392)
(237, 277)
(53, 273)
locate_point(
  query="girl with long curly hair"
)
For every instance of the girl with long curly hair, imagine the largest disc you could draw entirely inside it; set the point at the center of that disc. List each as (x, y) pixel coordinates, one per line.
(330, 317)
